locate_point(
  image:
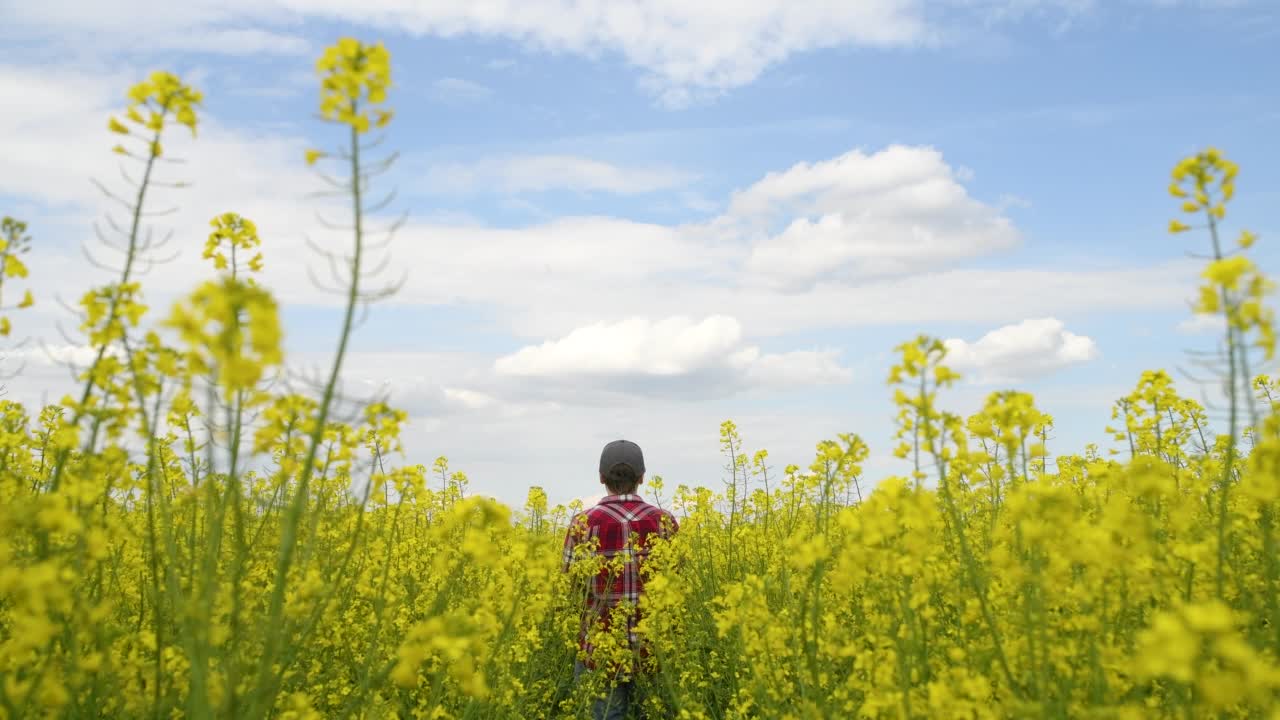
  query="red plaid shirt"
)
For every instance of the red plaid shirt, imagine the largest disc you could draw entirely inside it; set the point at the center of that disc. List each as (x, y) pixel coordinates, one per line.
(613, 522)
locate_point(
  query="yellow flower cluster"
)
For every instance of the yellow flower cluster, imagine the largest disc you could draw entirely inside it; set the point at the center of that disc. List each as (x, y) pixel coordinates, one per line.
(153, 102)
(14, 241)
(355, 78)
(232, 232)
(1200, 645)
(1234, 286)
(232, 329)
(108, 310)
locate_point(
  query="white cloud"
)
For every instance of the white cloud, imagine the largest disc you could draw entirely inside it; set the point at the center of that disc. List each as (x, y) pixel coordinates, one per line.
(470, 399)
(62, 115)
(574, 260)
(674, 346)
(55, 145)
(684, 48)
(1201, 323)
(143, 26)
(459, 90)
(1016, 352)
(587, 500)
(35, 373)
(549, 279)
(240, 41)
(538, 173)
(62, 355)
(796, 368)
(642, 354)
(559, 448)
(896, 211)
(537, 431)
(437, 387)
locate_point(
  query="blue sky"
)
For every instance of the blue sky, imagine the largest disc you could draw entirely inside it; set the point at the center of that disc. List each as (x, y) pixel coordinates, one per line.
(641, 218)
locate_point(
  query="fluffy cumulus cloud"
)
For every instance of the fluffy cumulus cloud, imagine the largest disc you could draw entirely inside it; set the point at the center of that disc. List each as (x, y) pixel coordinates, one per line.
(896, 211)
(1017, 352)
(673, 346)
(676, 353)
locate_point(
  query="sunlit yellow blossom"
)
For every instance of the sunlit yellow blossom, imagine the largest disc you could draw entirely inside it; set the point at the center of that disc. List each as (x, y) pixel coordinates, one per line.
(232, 233)
(232, 329)
(164, 95)
(13, 267)
(1228, 271)
(354, 76)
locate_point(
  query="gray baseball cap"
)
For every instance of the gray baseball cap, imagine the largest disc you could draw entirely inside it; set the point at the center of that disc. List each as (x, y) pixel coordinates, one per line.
(624, 452)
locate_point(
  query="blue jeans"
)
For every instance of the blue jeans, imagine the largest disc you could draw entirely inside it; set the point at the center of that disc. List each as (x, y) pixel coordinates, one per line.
(613, 706)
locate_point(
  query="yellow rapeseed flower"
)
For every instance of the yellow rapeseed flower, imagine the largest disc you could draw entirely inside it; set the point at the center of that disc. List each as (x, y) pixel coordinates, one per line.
(161, 96)
(1227, 272)
(232, 232)
(354, 77)
(13, 267)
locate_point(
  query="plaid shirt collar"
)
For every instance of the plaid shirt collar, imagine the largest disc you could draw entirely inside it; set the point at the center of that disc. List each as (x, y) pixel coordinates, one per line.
(625, 497)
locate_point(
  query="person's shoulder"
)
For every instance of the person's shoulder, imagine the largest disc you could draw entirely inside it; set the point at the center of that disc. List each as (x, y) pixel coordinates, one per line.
(593, 515)
(660, 513)
(582, 517)
(584, 523)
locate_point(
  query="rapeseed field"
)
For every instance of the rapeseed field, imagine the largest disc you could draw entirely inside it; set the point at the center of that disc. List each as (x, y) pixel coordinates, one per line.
(184, 538)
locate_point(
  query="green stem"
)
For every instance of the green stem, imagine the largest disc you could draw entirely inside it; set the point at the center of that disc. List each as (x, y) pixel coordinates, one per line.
(113, 310)
(288, 543)
(956, 524)
(1229, 463)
